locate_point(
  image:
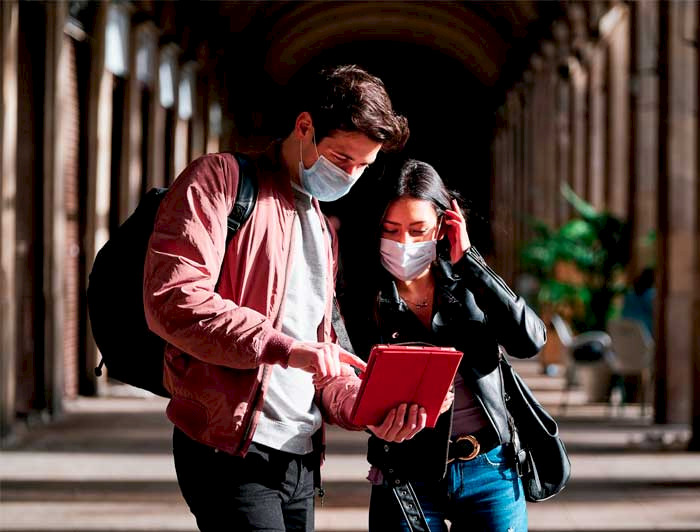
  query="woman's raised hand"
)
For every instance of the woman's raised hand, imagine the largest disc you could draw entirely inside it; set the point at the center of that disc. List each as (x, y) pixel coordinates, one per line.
(456, 230)
(401, 423)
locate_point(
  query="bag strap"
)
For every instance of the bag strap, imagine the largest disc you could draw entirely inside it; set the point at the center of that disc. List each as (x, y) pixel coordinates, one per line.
(246, 196)
(341, 331)
(337, 320)
(410, 506)
(518, 451)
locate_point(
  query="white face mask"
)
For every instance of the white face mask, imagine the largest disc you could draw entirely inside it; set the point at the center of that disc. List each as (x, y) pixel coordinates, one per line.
(324, 180)
(407, 261)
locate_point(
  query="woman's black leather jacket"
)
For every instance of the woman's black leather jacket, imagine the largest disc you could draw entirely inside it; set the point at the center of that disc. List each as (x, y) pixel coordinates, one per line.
(475, 312)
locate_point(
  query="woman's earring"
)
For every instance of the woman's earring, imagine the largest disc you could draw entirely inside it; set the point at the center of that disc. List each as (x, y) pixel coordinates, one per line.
(440, 233)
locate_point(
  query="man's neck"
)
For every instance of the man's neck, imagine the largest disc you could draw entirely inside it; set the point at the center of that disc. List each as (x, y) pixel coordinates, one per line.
(290, 157)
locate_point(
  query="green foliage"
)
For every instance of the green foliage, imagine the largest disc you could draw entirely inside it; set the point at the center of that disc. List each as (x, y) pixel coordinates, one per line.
(598, 245)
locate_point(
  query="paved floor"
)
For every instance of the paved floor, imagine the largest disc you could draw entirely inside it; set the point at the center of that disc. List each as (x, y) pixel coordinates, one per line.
(107, 467)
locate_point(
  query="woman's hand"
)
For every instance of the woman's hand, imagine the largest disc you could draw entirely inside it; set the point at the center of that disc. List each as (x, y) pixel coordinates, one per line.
(447, 402)
(456, 230)
(401, 423)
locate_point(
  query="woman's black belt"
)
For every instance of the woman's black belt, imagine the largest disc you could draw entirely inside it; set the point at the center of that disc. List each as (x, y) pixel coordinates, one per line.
(469, 446)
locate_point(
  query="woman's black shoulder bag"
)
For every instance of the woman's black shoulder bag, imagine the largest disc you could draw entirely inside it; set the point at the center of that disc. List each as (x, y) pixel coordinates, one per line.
(541, 458)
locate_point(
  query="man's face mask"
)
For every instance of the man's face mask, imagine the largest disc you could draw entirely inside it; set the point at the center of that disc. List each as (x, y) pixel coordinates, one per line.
(324, 180)
(407, 261)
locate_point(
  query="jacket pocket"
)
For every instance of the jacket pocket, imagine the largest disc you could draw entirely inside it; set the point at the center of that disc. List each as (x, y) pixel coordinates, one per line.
(188, 415)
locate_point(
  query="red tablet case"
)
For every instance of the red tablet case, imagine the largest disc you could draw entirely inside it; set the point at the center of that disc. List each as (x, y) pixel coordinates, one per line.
(405, 374)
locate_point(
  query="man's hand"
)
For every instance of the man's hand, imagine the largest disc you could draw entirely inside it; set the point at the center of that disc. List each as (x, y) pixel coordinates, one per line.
(324, 360)
(401, 423)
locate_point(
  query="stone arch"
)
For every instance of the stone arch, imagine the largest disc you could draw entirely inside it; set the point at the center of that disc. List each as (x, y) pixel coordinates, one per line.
(451, 29)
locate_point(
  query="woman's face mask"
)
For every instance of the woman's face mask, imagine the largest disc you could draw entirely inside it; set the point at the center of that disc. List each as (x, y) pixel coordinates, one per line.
(407, 261)
(410, 229)
(324, 180)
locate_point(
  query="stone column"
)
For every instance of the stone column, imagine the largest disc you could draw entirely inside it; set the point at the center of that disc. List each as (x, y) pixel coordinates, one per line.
(539, 117)
(548, 144)
(615, 26)
(695, 440)
(678, 210)
(644, 123)
(54, 228)
(579, 100)
(529, 141)
(131, 165)
(562, 119)
(597, 138)
(9, 20)
(519, 177)
(99, 126)
(200, 115)
(156, 129)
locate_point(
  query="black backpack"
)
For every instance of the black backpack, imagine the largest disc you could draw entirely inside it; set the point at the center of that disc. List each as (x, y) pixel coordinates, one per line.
(133, 353)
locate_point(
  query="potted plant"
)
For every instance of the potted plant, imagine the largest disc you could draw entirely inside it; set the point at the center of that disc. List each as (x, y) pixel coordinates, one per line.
(580, 266)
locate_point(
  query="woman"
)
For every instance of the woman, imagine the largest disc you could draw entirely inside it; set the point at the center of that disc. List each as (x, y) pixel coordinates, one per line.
(437, 289)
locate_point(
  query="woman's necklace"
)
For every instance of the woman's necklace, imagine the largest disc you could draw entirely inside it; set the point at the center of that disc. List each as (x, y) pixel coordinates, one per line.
(417, 304)
(423, 303)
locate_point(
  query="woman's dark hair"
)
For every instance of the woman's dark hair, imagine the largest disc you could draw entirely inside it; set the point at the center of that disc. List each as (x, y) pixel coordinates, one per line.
(419, 180)
(347, 98)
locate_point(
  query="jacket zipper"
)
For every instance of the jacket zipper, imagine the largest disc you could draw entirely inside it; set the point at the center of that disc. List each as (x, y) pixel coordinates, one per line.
(258, 392)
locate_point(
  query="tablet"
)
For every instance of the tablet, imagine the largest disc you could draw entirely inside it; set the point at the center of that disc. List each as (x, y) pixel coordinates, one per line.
(405, 374)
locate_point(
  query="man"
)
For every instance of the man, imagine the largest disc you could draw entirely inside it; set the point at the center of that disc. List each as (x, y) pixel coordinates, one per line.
(251, 362)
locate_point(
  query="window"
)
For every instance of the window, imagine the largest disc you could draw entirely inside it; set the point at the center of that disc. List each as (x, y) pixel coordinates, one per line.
(145, 55)
(117, 40)
(186, 89)
(167, 76)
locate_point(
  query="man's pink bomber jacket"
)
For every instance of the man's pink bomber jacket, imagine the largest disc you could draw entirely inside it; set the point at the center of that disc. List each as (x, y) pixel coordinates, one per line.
(222, 340)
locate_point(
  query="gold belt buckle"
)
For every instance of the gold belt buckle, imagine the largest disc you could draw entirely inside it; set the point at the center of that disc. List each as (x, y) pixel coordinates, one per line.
(476, 447)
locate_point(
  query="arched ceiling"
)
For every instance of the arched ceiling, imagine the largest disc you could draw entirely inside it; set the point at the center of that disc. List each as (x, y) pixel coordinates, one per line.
(449, 28)
(287, 35)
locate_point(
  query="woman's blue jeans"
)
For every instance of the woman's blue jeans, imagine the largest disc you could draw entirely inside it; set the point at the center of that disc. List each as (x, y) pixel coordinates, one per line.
(484, 494)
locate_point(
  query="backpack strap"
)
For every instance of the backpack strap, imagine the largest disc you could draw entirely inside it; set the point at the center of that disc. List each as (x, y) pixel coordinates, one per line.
(337, 320)
(245, 202)
(246, 196)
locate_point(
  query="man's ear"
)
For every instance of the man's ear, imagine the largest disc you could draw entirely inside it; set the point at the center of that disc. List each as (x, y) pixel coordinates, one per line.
(303, 125)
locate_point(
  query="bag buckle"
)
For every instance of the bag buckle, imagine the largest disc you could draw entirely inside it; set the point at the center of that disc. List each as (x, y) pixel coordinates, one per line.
(476, 447)
(521, 463)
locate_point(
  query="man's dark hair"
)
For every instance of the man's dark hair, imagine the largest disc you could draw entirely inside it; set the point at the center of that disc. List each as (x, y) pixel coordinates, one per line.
(347, 98)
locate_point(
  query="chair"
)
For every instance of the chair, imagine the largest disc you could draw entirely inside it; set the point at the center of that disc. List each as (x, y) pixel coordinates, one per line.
(595, 344)
(634, 355)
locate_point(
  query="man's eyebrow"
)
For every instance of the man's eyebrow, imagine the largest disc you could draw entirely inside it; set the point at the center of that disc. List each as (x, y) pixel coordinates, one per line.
(350, 157)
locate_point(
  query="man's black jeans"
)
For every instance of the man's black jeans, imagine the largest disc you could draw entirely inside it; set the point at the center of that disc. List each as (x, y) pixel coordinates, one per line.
(267, 490)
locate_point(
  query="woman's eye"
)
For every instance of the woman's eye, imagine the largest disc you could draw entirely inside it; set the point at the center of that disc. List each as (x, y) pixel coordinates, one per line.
(419, 232)
(388, 231)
